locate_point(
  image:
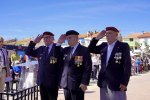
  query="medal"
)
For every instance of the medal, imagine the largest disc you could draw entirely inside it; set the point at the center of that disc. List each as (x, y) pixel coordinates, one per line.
(78, 60)
(53, 60)
(118, 57)
(80, 63)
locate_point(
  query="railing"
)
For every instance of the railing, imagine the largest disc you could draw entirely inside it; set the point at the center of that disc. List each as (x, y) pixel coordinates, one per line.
(26, 88)
(25, 94)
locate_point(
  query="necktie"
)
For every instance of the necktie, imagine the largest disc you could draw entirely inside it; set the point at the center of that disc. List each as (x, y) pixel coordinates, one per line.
(3, 57)
(47, 51)
(71, 51)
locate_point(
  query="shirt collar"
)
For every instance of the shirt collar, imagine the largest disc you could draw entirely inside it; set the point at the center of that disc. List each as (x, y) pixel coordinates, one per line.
(74, 48)
(50, 45)
(111, 45)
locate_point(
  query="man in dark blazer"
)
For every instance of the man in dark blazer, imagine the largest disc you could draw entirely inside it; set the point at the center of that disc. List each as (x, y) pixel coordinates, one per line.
(49, 70)
(115, 65)
(77, 67)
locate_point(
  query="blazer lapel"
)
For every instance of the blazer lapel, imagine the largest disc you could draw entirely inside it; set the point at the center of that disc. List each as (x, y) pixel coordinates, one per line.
(67, 54)
(51, 53)
(105, 54)
(76, 51)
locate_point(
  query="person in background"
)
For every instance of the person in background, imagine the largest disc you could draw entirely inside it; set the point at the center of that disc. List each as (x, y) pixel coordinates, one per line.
(27, 58)
(133, 72)
(141, 65)
(77, 67)
(48, 56)
(115, 64)
(4, 65)
(14, 57)
(145, 63)
(95, 63)
(93, 68)
(137, 65)
(21, 59)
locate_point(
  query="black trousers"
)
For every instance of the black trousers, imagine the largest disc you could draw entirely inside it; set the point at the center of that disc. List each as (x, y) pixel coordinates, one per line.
(96, 71)
(73, 94)
(48, 93)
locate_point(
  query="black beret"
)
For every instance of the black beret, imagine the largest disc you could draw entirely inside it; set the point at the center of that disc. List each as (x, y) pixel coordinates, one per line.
(112, 29)
(72, 32)
(48, 33)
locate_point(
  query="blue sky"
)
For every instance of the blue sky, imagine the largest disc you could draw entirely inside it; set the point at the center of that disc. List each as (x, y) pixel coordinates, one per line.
(28, 18)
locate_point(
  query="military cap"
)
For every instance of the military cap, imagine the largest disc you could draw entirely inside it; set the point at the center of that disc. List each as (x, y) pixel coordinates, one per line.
(112, 29)
(72, 32)
(48, 33)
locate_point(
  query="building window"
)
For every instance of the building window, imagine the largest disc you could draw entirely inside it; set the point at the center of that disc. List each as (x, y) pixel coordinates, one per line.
(131, 39)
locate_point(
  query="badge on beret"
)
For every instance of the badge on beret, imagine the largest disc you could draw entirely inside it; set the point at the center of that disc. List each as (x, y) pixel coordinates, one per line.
(53, 60)
(118, 57)
(78, 60)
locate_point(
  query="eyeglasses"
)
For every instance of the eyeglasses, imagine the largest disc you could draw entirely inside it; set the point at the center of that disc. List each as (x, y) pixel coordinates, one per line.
(108, 33)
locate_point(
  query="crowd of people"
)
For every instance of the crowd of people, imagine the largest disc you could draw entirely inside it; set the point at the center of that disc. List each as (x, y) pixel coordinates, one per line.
(9, 72)
(140, 65)
(4, 66)
(72, 67)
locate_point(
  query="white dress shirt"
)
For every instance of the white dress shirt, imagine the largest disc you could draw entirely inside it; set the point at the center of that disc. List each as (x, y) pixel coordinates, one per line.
(109, 51)
(74, 48)
(50, 47)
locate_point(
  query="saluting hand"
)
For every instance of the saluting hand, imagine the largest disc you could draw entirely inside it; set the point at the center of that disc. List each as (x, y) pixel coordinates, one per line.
(61, 39)
(83, 87)
(38, 38)
(101, 34)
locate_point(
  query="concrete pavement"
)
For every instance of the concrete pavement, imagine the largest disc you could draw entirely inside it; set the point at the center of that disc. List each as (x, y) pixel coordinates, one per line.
(138, 89)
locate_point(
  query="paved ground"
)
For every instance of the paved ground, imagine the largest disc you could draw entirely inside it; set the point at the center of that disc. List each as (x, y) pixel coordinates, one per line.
(138, 89)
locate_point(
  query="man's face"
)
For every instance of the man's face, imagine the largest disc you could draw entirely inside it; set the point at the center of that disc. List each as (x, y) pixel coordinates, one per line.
(111, 36)
(48, 39)
(1, 43)
(72, 40)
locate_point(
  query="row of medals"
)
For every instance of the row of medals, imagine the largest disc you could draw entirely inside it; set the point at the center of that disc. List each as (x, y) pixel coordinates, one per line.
(118, 57)
(53, 60)
(78, 60)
